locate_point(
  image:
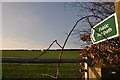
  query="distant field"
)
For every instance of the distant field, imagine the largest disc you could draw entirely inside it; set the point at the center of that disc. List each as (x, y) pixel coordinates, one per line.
(67, 70)
(32, 54)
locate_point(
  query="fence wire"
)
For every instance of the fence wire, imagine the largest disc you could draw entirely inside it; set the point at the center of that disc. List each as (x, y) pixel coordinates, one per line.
(60, 56)
(56, 76)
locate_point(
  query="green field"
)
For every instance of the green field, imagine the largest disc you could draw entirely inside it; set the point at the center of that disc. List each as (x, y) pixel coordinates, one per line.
(32, 54)
(36, 71)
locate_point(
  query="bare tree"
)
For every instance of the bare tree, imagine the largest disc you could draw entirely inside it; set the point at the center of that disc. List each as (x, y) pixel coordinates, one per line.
(90, 14)
(94, 11)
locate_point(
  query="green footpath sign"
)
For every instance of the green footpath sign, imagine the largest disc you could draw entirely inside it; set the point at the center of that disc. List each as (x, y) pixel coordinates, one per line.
(106, 29)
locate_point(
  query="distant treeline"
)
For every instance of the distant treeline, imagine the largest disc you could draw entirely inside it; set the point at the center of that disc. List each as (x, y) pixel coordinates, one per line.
(21, 50)
(45, 50)
(63, 50)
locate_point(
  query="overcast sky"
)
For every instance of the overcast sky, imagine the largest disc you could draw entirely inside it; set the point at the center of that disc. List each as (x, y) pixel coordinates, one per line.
(34, 25)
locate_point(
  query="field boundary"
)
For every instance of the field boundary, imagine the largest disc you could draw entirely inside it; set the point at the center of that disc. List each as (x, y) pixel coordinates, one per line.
(30, 60)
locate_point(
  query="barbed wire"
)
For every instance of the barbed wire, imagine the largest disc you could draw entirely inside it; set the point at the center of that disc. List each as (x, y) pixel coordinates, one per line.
(62, 48)
(60, 56)
(55, 41)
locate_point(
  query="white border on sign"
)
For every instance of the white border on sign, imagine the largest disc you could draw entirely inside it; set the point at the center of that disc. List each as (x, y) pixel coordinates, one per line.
(116, 22)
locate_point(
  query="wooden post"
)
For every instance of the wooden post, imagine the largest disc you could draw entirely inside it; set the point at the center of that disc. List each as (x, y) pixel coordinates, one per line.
(94, 73)
(117, 10)
(86, 68)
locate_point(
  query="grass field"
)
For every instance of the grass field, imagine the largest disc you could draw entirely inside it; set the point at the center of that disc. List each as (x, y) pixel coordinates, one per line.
(27, 71)
(32, 54)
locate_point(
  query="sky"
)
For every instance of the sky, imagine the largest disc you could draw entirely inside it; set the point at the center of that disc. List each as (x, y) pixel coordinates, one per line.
(34, 25)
